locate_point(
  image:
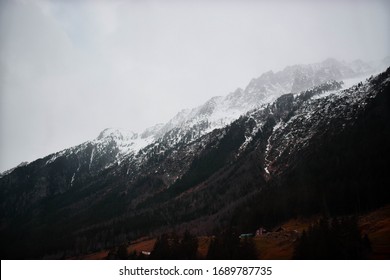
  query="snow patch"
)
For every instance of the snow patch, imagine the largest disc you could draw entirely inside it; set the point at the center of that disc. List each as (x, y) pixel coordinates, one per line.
(71, 181)
(91, 158)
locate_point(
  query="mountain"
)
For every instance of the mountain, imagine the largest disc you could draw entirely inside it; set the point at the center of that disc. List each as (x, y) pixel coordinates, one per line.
(291, 143)
(219, 111)
(222, 110)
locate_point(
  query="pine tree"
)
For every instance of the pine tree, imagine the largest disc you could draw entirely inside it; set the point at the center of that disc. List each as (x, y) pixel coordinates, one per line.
(189, 246)
(338, 238)
(122, 252)
(161, 249)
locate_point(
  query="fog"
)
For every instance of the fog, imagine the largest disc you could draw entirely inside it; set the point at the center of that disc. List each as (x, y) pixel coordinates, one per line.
(69, 69)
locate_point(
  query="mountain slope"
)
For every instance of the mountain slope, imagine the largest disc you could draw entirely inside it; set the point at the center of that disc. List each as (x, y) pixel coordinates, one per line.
(114, 145)
(304, 153)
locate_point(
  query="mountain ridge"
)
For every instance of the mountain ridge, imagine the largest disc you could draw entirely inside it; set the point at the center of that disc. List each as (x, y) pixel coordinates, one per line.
(192, 176)
(219, 111)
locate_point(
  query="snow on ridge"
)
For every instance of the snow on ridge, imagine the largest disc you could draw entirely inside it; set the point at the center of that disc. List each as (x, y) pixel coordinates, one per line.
(220, 111)
(361, 78)
(6, 172)
(126, 141)
(313, 115)
(55, 156)
(118, 133)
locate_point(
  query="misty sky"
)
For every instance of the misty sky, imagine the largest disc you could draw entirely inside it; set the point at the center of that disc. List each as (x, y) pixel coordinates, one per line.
(69, 69)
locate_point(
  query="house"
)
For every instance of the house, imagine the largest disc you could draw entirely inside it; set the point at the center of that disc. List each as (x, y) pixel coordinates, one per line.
(260, 231)
(246, 235)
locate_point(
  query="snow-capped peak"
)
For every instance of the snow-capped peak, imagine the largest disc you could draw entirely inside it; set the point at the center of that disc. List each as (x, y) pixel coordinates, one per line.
(117, 133)
(190, 124)
(220, 111)
(126, 141)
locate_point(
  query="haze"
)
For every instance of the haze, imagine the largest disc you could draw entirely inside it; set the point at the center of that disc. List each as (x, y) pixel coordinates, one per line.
(69, 69)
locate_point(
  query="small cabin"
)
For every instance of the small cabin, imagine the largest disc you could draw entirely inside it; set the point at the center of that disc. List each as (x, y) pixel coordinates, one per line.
(246, 235)
(261, 231)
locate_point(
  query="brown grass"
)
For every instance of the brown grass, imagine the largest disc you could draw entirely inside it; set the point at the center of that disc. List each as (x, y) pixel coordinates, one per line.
(376, 225)
(141, 245)
(203, 246)
(280, 245)
(101, 255)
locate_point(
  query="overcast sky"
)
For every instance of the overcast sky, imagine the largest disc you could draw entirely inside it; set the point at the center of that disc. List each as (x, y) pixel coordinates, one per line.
(69, 69)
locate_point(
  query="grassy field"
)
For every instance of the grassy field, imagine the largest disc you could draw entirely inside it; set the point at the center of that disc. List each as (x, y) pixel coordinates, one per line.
(279, 245)
(377, 226)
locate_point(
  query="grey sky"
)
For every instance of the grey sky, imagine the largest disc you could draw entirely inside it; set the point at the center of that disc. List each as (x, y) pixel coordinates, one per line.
(69, 69)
